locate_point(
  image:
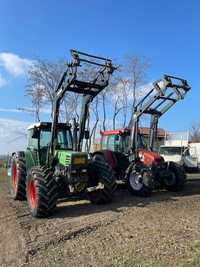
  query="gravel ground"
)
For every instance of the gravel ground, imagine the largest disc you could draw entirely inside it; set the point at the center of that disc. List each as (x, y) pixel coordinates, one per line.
(159, 231)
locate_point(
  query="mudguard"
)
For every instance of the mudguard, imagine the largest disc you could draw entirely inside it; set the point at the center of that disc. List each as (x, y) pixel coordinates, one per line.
(108, 156)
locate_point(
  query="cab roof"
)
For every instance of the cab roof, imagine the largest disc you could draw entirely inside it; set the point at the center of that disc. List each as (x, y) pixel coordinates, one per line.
(48, 125)
(143, 130)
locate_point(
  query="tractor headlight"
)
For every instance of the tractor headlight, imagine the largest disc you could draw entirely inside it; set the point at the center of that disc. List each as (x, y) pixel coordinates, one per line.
(79, 160)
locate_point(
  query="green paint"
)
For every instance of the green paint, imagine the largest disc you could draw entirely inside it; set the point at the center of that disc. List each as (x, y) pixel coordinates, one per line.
(65, 158)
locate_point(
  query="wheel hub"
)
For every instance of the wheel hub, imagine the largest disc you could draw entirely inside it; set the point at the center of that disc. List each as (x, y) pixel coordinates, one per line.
(135, 180)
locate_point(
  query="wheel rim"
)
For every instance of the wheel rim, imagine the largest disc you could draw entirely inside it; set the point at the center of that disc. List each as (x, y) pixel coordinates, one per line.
(14, 176)
(32, 193)
(135, 181)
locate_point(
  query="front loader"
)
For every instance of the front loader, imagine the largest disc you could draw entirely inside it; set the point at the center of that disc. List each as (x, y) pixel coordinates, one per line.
(137, 163)
(53, 166)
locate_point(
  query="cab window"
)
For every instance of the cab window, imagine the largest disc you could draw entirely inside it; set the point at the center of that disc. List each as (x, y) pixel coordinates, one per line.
(32, 142)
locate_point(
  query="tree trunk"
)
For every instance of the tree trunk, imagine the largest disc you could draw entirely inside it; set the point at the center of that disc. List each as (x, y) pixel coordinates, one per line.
(104, 112)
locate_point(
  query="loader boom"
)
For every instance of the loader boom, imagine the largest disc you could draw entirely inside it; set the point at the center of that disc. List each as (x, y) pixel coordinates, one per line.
(72, 81)
(164, 94)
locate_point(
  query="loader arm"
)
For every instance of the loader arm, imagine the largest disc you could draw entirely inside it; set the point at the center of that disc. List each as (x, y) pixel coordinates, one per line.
(165, 93)
(72, 81)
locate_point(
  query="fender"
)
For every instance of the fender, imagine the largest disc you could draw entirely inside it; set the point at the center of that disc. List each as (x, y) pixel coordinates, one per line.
(108, 156)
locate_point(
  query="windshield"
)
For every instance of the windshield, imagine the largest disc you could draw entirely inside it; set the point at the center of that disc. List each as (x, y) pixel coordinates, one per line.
(64, 138)
(171, 150)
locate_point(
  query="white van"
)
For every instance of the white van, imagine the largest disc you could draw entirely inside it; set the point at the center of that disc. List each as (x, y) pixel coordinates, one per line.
(184, 156)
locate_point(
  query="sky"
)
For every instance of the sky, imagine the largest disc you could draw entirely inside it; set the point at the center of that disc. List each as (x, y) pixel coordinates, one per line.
(166, 32)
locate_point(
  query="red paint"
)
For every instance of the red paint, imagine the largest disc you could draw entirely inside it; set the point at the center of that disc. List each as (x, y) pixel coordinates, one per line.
(118, 131)
(32, 193)
(14, 176)
(149, 157)
(143, 131)
(110, 159)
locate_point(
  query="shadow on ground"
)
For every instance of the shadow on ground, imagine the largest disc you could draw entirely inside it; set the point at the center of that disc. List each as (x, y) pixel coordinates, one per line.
(123, 199)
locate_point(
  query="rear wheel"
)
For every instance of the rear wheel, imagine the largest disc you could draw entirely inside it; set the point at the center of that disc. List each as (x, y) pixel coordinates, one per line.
(18, 177)
(176, 179)
(42, 191)
(100, 173)
(140, 182)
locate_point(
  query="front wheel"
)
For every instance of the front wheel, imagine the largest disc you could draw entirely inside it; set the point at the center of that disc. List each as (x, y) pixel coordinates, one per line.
(139, 183)
(42, 191)
(100, 173)
(176, 179)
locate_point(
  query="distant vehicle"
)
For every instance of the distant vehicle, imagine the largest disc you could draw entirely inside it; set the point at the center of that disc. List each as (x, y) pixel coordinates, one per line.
(184, 156)
(195, 147)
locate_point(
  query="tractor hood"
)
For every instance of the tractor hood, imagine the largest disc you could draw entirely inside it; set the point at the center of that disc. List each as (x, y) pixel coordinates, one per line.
(67, 158)
(149, 157)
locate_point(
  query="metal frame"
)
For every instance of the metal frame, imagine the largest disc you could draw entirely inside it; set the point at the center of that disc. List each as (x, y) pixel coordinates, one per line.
(164, 94)
(71, 82)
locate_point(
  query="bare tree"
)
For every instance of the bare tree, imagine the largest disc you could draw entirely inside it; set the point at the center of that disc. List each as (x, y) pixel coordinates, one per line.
(43, 78)
(195, 133)
(37, 95)
(70, 107)
(119, 100)
(116, 101)
(135, 70)
(103, 97)
(46, 75)
(93, 121)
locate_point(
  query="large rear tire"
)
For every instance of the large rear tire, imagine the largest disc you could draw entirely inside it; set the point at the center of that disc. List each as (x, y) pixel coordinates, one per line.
(139, 182)
(17, 180)
(42, 191)
(101, 173)
(176, 181)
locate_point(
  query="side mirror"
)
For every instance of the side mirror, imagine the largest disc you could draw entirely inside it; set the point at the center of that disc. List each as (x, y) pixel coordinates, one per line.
(87, 134)
(36, 133)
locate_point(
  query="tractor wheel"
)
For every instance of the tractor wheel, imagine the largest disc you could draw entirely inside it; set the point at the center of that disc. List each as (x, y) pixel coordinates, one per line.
(176, 180)
(140, 182)
(17, 181)
(101, 173)
(42, 191)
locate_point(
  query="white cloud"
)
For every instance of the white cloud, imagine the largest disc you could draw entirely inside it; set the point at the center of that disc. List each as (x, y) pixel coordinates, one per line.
(9, 110)
(144, 89)
(12, 135)
(141, 91)
(3, 81)
(14, 64)
(26, 110)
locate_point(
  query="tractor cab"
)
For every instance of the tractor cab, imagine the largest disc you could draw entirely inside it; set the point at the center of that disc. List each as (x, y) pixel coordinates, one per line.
(119, 140)
(39, 137)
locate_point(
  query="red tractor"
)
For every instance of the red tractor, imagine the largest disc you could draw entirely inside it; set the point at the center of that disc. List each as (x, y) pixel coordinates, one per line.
(136, 162)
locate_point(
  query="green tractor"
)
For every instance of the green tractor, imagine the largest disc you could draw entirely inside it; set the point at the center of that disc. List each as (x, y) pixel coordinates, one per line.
(53, 166)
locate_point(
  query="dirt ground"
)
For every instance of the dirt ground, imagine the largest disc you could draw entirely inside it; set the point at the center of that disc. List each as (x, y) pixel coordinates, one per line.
(159, 231)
